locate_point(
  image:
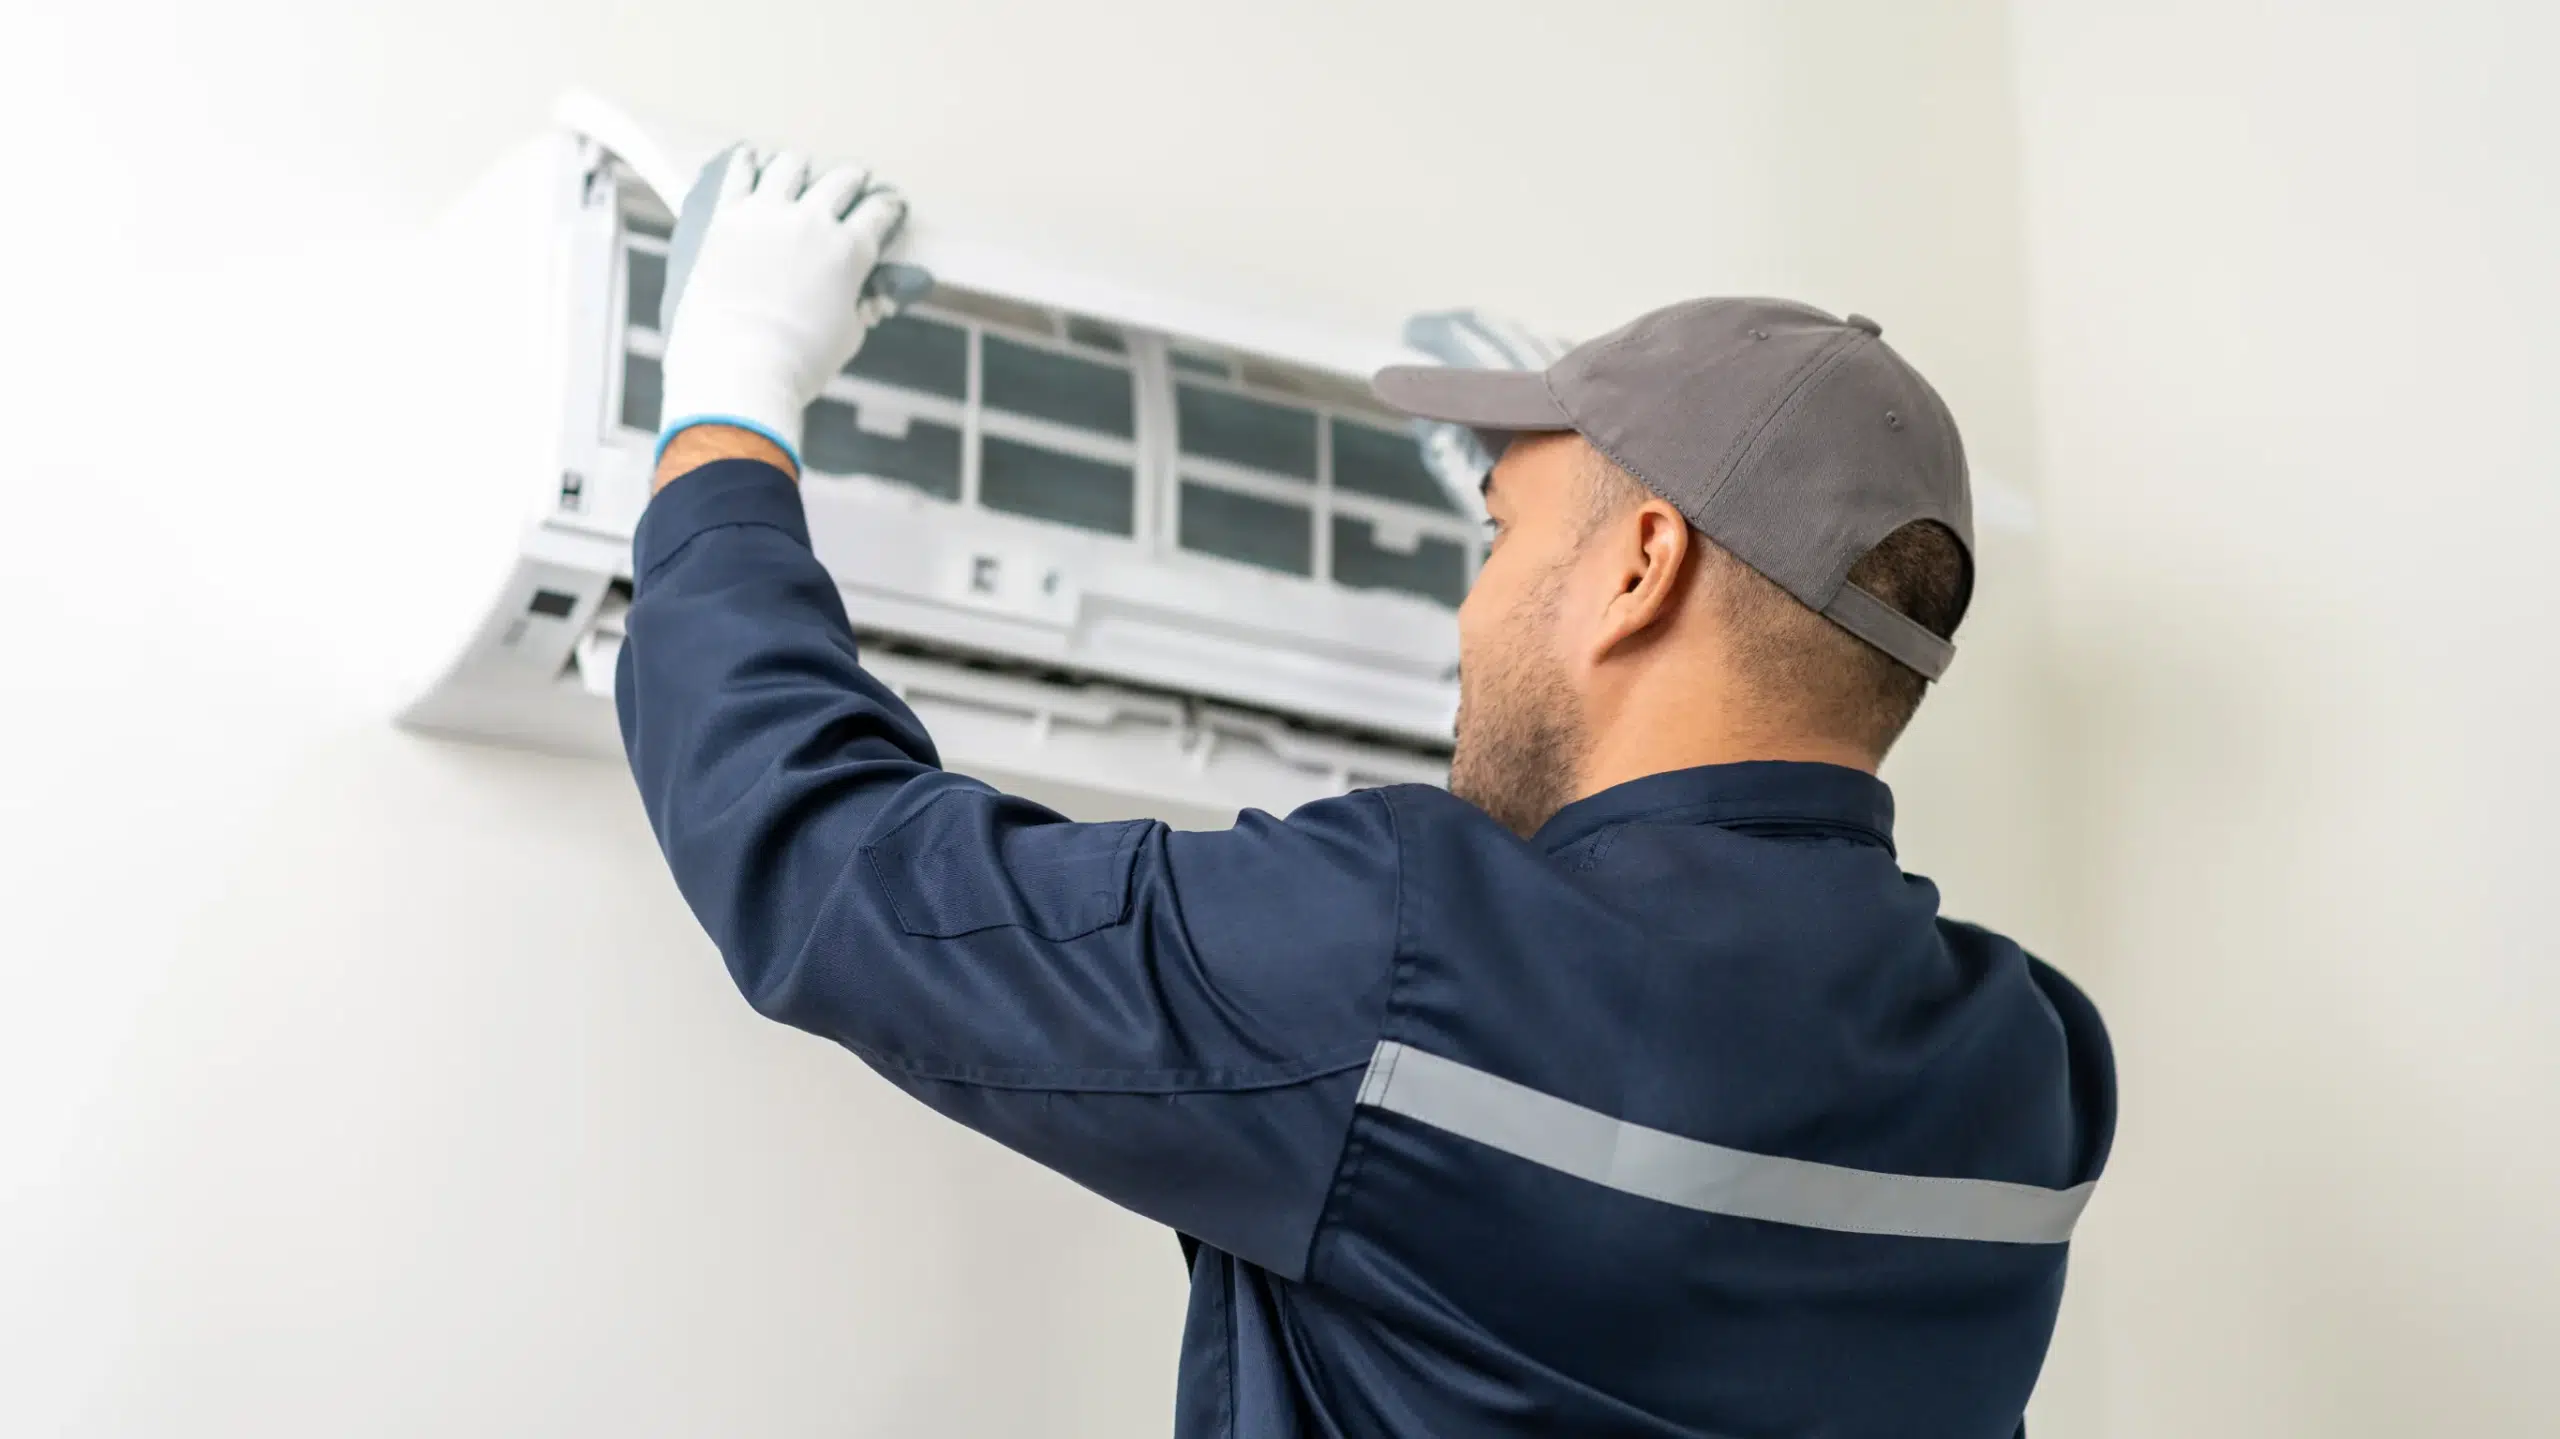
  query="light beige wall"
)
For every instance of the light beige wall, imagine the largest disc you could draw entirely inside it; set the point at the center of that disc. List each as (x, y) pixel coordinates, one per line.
(2294, 319)
(356, 1084)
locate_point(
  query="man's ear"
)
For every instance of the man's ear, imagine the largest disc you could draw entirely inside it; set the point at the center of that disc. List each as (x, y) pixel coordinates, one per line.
(1647, 562)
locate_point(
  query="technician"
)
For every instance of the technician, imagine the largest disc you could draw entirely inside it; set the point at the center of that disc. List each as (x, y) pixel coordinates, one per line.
(1627, 1086)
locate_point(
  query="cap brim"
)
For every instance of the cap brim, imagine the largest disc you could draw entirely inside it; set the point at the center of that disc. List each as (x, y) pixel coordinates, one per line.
(1501, 401)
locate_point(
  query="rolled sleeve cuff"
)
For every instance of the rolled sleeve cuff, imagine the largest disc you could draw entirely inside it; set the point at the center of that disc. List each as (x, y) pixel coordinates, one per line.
(720, 494)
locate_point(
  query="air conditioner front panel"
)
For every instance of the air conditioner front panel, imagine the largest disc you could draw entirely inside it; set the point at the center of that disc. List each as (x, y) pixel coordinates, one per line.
(934, 555)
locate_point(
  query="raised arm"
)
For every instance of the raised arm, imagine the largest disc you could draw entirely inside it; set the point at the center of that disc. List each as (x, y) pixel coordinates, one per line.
(1178, 1021)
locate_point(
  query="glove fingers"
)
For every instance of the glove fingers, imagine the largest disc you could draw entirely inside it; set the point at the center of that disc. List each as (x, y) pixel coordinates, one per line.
(784, 177)
(835, 191)
(877, 218)
(737, 174)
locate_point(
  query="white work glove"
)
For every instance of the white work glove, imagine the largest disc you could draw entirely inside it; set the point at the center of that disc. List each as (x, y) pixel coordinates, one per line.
(775, 302)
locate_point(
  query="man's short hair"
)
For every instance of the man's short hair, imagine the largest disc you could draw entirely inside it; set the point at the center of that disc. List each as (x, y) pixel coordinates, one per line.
(1803, 672)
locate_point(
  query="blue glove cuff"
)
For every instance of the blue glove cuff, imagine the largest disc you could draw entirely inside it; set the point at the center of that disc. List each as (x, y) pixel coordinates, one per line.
(673, 428)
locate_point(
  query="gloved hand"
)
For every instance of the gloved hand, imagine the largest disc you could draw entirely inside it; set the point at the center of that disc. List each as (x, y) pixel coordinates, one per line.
(775, 303)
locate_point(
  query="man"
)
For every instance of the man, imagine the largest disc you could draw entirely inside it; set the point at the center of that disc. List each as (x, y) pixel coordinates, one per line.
(1626, 1087)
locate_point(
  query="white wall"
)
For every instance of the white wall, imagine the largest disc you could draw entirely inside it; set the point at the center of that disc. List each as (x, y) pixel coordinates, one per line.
(2295, 319)
(354, 1083)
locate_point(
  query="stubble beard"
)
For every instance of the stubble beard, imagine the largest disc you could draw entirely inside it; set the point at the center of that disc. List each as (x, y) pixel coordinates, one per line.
(1520, 739)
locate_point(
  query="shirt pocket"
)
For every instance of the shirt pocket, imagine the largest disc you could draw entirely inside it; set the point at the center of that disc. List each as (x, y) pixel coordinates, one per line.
(971, 862)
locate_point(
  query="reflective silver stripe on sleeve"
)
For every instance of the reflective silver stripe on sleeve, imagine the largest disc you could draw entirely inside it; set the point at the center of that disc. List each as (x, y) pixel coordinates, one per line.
(1710, 1178)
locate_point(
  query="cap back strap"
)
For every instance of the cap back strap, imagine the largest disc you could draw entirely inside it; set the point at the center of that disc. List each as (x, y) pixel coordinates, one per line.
(1890, 630)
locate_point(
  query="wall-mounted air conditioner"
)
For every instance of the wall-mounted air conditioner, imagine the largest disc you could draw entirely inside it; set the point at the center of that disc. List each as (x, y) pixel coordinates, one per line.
(1112, 542)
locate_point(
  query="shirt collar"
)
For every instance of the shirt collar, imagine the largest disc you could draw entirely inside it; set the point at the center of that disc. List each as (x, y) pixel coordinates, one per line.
(1758, 791)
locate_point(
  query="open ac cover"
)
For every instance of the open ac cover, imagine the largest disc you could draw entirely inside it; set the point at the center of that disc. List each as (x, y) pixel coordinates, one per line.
(1153, 555)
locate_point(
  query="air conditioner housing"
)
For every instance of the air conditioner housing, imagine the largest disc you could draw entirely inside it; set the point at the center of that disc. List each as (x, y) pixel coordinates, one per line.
(1137, 551)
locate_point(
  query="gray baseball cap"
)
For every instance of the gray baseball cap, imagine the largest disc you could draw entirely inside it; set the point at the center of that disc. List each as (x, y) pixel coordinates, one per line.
(1794, 440)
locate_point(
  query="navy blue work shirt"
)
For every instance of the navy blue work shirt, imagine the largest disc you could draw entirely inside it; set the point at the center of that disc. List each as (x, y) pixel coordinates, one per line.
(1688, 1116)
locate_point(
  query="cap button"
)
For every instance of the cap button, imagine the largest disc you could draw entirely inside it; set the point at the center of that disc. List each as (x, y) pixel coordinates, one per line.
(1861, 322)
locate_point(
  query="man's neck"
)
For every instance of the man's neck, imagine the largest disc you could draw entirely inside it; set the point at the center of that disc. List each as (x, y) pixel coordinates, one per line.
(1639, 754)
